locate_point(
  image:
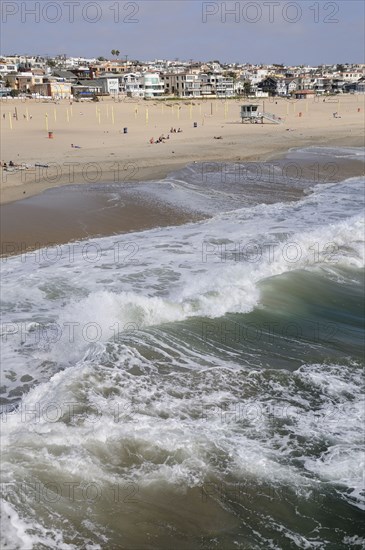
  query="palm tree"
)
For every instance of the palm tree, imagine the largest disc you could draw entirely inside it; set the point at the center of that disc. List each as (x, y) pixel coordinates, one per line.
(115, 52)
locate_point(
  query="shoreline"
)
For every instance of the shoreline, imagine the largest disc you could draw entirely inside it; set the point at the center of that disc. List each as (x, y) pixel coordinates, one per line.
(77, 212)
(34, 182)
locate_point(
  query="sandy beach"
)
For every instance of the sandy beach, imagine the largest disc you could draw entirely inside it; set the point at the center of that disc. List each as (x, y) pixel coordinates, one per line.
(103, 153)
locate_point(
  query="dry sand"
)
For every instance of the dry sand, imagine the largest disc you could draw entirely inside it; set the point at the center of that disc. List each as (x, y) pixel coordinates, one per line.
(107, 154)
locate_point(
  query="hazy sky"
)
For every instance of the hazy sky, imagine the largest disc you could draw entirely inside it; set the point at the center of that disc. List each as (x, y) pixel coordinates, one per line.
(303, 32)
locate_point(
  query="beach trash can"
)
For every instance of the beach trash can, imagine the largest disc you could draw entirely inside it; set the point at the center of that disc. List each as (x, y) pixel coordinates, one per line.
(50, 135)
(125, 130)
(195, 124)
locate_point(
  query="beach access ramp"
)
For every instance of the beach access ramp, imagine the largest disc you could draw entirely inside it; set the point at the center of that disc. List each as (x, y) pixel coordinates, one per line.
(271, 117)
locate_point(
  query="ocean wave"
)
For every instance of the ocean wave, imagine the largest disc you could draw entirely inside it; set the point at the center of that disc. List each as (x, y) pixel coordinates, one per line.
(104, 380)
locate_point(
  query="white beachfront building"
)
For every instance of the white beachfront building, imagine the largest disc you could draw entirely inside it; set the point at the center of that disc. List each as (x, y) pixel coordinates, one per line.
(110, 84)
(131, 84)
(152, 85)
(145, 85)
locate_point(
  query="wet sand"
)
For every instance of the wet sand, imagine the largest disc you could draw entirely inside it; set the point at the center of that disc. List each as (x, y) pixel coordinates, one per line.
(71, 213)
(76, 212)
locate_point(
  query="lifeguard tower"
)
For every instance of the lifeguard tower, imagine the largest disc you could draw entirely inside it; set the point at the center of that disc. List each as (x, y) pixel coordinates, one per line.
(250, 113)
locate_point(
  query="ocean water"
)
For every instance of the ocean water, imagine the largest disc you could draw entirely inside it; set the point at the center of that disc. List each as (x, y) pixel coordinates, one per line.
(198, 386)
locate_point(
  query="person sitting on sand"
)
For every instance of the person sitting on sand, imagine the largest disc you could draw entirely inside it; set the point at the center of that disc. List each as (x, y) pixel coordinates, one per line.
(152, 141)
(179, 131)
(11, 163)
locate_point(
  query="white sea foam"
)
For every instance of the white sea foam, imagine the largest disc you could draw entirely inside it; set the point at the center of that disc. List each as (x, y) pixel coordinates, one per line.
(66, 325)
(19, 534)
(353, 153)
(88, 295)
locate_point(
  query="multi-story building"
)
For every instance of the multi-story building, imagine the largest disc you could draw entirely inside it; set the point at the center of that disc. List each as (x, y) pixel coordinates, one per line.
(6, 67)
(273, 86)
(53, 88)
(182, 85)
(131, 84)
(217, 85)
(152, 85)
(352, 76)
(110, 84)
(23, 82)
(148, 85)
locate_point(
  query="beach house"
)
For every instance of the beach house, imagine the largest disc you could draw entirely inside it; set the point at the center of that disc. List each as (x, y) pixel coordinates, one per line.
(131, 84)
(273, 86)
(54, 88)
(110, 84)
(217, 85)
(182, 84)
(152, 85)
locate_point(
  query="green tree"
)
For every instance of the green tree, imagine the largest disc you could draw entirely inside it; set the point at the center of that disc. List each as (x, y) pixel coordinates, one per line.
(232, 74)
(247, 88)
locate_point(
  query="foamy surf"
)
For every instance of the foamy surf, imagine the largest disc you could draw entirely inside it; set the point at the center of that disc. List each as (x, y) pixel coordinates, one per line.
(207, 376)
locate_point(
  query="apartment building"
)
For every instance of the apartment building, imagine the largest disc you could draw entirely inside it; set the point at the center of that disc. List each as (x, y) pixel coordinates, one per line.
(217, 85)
(6, 67)
(182, 85)
(152, 85)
